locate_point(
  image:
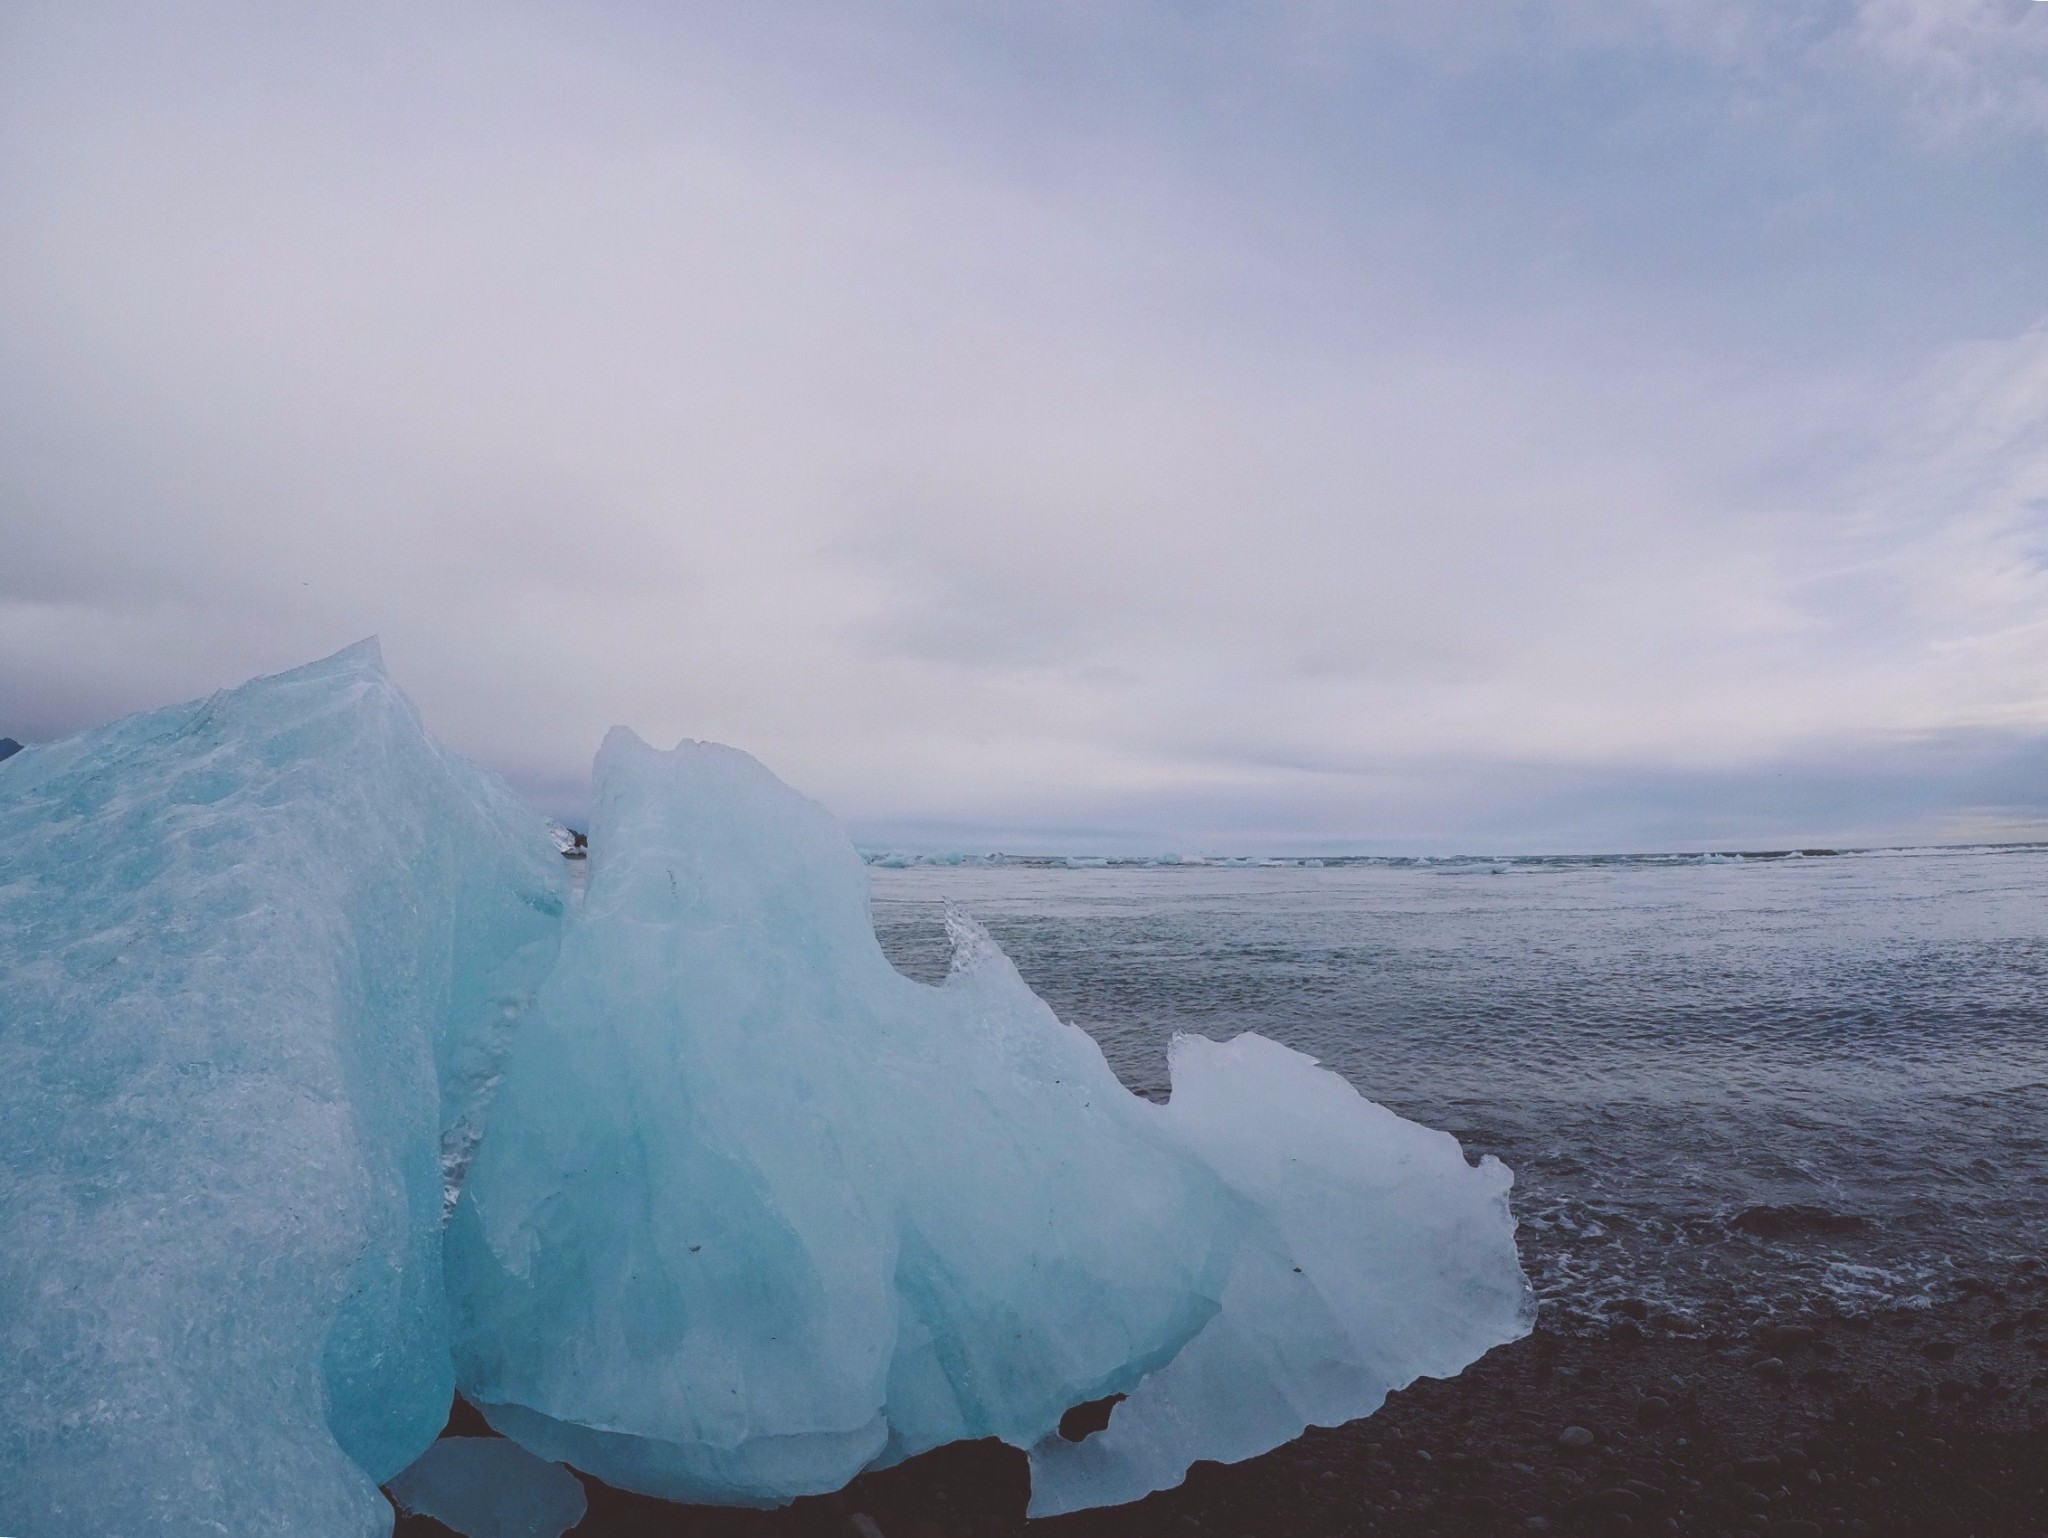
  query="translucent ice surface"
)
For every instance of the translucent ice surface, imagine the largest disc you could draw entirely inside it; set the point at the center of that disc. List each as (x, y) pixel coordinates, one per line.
(1377, 1256)
(260, 957)
(754, 1211)
(487, 1487)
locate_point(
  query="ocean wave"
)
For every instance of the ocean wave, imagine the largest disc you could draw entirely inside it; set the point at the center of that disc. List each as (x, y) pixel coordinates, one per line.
(1782, 1220)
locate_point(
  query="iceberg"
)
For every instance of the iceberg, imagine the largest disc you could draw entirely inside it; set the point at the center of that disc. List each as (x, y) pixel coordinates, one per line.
(487, 1487)
(261, 957)
(324, 1089)
(755, 1212)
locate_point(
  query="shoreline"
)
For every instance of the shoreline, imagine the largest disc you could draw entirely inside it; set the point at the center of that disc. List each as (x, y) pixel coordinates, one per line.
(1925, 1421)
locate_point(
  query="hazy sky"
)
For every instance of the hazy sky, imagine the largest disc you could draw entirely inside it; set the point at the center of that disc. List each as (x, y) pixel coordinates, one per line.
(1425, 425)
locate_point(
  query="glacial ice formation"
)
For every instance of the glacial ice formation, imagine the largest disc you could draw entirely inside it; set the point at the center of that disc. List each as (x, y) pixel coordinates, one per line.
(755, 1211)
(320, 1091)
(258, 954)
(487, 1487)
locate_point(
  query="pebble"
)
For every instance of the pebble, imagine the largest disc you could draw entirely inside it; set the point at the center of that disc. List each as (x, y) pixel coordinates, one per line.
(1575, 1437)
(1653, 1409)
(864, 1526)
(1771, 1368)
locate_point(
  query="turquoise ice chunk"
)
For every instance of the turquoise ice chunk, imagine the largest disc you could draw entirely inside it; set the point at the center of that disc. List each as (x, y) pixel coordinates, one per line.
(260, 959)
(1378, 1256)
(754, 1211)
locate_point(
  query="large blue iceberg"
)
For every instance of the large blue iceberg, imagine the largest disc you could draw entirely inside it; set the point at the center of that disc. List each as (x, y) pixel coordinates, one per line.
(756, 1211)
(261, 957)
(313, 1072)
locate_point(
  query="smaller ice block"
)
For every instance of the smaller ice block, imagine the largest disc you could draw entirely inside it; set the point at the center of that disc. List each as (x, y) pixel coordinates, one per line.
(487, 1487)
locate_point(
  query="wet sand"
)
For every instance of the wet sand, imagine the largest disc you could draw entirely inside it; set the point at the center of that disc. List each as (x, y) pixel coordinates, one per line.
(1915, 1422)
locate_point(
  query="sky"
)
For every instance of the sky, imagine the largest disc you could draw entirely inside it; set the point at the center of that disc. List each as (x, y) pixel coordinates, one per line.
(1424, 426)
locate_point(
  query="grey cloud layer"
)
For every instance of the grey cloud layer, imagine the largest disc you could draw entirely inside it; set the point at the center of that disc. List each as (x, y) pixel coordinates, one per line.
(1061, 424)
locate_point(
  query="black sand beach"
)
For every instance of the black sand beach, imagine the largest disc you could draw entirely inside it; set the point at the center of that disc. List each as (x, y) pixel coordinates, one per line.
(1931, 1421)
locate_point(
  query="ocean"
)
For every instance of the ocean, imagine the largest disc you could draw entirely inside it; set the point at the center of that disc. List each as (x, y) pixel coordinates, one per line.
(1728, 1088)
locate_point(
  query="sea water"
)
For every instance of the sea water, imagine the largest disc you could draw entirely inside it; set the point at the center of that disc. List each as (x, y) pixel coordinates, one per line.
(1727, 1088)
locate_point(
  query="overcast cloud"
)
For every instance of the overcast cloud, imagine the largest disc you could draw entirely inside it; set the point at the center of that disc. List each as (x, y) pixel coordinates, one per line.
(1430, 426)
